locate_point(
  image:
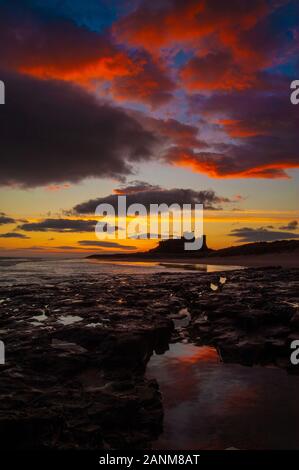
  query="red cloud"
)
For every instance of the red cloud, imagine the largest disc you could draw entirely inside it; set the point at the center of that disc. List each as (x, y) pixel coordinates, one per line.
(230, 41)
(264, 129)
(177, 21)
(57, 49)
(237, 128)
(153, 28)
(237, 32)
(62, 50)
(172, 131)
(216, 71)
(148, 83)
(106, 67)
(225, 166)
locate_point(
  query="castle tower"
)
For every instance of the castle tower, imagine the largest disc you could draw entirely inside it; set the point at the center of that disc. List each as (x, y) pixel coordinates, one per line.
(204, 243)
(177, 246)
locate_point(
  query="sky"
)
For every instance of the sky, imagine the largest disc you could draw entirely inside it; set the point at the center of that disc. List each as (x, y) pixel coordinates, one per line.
(171, 101)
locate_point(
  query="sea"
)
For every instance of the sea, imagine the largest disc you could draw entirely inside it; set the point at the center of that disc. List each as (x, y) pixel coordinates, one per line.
(39, 270)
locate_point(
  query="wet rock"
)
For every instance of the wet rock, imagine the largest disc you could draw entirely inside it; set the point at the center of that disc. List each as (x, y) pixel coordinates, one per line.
(295, 320)
(251, 320)
(82, 384)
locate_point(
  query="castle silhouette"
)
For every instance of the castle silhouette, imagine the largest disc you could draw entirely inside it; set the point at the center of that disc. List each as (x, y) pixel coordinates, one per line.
(177, 246)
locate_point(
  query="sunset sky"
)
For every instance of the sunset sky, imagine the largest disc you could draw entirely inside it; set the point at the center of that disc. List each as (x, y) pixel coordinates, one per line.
(164, 101)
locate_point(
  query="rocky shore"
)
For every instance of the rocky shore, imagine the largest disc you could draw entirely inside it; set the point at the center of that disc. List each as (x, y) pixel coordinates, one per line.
(77, 349)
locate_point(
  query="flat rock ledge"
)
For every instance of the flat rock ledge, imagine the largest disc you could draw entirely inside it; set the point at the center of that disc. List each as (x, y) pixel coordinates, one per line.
(77, 349)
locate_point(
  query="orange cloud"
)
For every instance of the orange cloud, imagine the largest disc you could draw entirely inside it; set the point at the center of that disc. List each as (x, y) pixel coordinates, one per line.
(216, 71)
(189, 21)
(82, 72)
(204, 25)
(59, 49)
(148, 83)
(62, 50)
(135, 79)
(240, 129)
(152, 28)
(57, 187)
(223, 166)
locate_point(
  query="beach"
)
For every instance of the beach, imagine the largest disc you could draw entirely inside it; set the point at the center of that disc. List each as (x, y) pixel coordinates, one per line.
(287, 259)
(92, 359)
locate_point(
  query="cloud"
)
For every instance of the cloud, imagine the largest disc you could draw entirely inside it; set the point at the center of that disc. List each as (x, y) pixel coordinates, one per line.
(161, 24)
(136, 187)
(60, 225)
(235, 163)
(156, 196)
(264, 129)
(57, 187)
(73, 248)
(67, 134)
(4, 219)
(293, 225)
(172, 131)
(242, 123)
(215, 71)
(262, 234)
(44, 48)
(13, 235)
(105, 244)
(65, 247)
(34, 248)
(228, 41)
(239, 198)
(149, 84)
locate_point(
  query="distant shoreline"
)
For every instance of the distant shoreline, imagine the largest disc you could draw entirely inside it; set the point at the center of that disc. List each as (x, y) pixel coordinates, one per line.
(262, 254)
(286, 260)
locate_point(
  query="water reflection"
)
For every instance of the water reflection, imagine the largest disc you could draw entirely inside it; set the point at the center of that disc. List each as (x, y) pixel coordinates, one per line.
(211, 405)
(207, 268)
(20, 270)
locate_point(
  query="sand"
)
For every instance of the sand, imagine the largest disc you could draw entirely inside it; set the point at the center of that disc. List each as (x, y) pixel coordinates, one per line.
(285, 259)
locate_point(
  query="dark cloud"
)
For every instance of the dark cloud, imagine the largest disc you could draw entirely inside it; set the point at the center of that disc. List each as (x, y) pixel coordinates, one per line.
(34, 248)
(13, 235)
(262, 234)
(214, 71)
(264, 126)
(4, 219)
(156, 196)
(66, 247)
(148, 84)
(44, 47)
(136, 187)
(172, 131)
(293, 225)
(74, 248)
(160, 24)
(54, 132)
(105, 244)
(23, 221)
(60, 225)
(153, 236)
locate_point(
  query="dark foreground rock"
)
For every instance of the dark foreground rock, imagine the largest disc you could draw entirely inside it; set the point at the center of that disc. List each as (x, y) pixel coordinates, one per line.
(77, 349)
(78, 385)
(251, 319)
